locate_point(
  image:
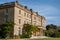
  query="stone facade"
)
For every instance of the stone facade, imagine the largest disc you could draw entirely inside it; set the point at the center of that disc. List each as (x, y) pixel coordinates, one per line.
(21, 15)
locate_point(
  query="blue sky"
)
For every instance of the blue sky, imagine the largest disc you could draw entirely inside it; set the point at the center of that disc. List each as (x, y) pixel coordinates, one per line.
(48, 8)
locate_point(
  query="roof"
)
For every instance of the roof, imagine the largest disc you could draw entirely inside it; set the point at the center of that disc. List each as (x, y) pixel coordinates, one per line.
(12, 4)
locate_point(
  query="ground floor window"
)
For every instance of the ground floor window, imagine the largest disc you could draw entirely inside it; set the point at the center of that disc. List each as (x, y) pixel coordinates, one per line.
(19, 31)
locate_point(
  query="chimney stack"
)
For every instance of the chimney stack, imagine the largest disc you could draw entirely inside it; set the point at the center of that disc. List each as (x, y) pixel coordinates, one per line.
(31, 10)
(17, 1)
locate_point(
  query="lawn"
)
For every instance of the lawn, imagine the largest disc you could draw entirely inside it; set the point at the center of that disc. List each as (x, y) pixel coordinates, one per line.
(46, 39)
(35, 39)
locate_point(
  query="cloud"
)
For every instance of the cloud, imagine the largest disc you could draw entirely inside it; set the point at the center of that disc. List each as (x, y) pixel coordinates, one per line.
(49, 10)
(51, 13)
(50, 17)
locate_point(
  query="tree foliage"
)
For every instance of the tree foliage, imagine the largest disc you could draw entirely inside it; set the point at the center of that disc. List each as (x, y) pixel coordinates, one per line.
(51, 26)
(5, 29)
(28, 29)
(52, 31)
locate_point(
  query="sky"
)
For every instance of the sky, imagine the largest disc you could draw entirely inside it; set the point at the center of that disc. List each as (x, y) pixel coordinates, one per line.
(50, 9)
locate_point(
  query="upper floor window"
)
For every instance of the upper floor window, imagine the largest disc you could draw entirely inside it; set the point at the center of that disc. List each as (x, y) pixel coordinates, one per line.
(27, 15)
(6, 12)
(27, 22)
(34, 18)
(19, 21)
(24, 14)
(24, 22)
(19, 11)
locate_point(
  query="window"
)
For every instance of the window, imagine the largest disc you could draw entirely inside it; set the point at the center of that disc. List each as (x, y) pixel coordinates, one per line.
(19, 11)
(24, 22)
(6, 18)
(19, 31)
(34, 23)
(6, 12)
(27, 15)
(24, 14)
(27, 22)
(34, 18)
(19, 21)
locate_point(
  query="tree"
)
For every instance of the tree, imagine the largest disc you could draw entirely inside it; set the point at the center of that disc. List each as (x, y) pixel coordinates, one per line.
(6, 28)
(51, 26)
(52, 31)
(28, 29)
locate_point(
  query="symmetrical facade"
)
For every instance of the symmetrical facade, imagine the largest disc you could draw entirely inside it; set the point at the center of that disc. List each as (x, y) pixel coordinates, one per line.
(21, 15)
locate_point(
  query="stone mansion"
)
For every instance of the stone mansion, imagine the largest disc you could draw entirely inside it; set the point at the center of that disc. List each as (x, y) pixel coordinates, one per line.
(21, 15)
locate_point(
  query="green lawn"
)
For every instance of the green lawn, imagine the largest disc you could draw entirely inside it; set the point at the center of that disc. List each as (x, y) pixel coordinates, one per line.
(35, 39)
(46, 39)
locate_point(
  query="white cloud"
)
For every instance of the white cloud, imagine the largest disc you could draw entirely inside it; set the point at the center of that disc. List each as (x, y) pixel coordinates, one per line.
(48, 10)
(50, 17)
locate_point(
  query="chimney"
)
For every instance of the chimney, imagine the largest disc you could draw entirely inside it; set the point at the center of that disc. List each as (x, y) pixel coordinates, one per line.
(37, 13)
(31, 10)
(25, 7)
(16, 1)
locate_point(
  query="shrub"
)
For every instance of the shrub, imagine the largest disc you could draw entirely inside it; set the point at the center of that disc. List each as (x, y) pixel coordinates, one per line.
(16, 36)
